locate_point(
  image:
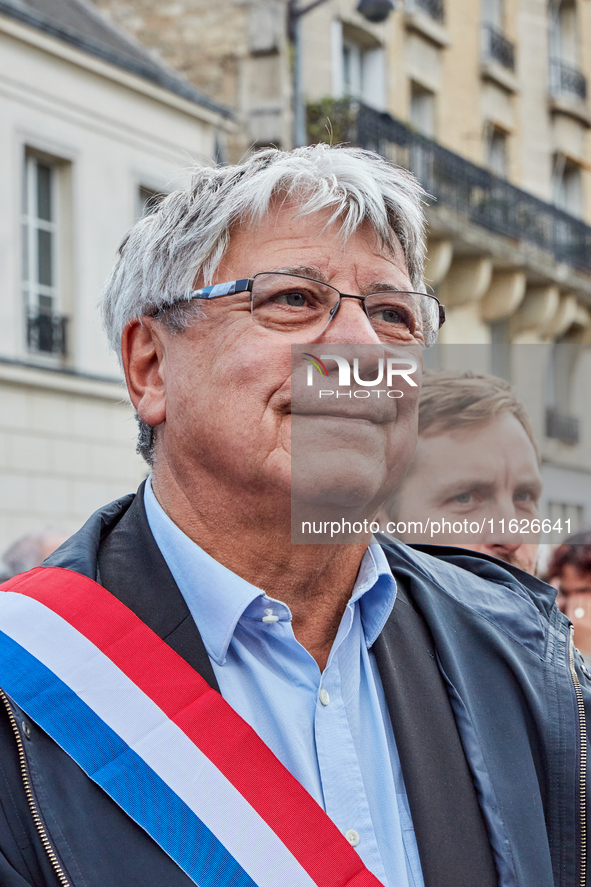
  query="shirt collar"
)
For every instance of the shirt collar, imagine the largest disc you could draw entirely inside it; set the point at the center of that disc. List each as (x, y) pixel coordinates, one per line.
(375, 589)
(217, 598)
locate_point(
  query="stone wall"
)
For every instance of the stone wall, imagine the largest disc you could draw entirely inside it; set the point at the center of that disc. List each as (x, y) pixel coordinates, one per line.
(235, 52)
(63, 454)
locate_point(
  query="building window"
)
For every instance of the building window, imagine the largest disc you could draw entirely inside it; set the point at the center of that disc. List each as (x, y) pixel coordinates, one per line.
(568, 185)
(501, 349)
(493, 14)
(352, 69)
(46, 329)
(561, 424)
(495, 46)
(496, 150)
(433, 8)
(566, 78)
(571, 516)
(422, 109)
(563, 31)
(359, 66)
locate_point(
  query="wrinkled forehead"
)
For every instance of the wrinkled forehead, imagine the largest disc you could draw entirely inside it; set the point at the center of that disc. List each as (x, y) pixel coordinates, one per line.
(480, 445)
(338, 221)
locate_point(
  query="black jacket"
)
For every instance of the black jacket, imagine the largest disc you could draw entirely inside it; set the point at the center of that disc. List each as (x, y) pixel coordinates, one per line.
(475, 668)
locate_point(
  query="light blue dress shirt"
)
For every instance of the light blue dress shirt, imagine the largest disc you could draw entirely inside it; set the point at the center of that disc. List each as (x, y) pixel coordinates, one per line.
(332, 729)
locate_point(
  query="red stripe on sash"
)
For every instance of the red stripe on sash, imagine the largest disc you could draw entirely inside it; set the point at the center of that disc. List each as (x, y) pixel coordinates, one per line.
(206, 718)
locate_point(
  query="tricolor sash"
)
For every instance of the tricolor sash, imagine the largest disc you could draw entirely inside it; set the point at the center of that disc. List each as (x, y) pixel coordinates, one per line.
(165, 746)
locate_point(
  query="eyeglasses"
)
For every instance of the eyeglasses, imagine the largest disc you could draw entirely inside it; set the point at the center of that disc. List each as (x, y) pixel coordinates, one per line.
(303, 307)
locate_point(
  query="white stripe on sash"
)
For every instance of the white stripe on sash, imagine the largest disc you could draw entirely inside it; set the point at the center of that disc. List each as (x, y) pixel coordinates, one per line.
(140, 723)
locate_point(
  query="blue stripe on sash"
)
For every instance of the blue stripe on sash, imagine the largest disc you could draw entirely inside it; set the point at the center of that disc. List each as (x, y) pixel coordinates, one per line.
(111, 763)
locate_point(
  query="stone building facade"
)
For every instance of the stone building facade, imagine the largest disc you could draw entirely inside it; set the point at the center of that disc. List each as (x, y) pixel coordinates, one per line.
(235, 51)
(487, 102)
(501, 84)
(92, 126)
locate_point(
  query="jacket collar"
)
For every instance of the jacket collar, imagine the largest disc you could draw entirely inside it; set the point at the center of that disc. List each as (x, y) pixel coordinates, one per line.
(512, 601)
(115, 547)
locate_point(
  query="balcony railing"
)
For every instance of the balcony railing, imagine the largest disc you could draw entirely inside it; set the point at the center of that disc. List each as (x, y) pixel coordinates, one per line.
(562, 427)
(475, 193)
(567, 81)
(496, 47)
(46, 334)
(433, 8)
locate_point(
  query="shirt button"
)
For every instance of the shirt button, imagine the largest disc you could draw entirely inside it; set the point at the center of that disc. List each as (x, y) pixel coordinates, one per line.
(579, 613)
(352, 837)
(324, 697)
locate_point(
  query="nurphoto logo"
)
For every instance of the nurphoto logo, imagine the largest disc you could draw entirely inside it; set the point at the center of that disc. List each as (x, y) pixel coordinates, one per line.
(388, 370)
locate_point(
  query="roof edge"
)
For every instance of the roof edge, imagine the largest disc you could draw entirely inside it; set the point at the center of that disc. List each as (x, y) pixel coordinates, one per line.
(156, 74)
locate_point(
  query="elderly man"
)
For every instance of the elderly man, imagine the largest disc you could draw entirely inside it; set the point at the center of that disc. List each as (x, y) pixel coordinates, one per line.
(476, 427)
(190, 697)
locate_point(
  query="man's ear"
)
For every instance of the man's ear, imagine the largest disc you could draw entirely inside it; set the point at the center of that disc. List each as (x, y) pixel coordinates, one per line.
(143, 357)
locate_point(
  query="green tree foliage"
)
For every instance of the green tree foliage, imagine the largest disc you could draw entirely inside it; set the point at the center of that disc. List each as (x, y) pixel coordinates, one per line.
(332, 121)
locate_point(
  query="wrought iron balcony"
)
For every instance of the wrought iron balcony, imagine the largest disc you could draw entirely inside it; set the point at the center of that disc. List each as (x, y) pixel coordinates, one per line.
(567, 81)
(433, 8)
(496, 47)
(562, 427)
(46, 333)
(475, 193)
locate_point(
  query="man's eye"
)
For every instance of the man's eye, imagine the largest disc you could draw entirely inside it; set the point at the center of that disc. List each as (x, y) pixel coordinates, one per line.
(291, 299)
(463, 498)
(391, 315)
(524, 496)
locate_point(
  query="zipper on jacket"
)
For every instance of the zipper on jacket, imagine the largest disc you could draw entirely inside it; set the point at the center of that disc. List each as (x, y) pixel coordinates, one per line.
(583, 766)
(37, 818)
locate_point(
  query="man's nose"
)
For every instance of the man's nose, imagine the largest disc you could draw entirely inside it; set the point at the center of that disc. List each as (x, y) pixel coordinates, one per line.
(505, 548)
(350, 326)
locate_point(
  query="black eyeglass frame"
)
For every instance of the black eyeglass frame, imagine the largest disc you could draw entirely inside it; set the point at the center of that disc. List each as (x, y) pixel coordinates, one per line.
(245, 285)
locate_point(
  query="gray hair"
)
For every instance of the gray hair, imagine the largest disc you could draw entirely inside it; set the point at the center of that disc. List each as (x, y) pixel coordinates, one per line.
(186, 237)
